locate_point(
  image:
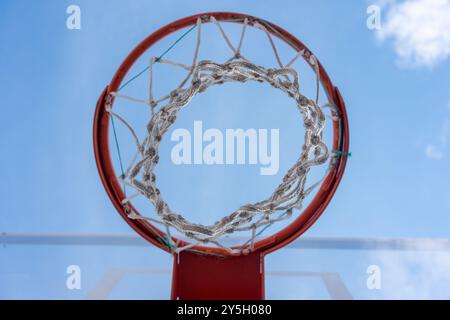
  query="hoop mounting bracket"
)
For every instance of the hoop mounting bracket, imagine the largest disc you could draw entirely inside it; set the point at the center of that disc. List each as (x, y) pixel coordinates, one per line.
(198, 276)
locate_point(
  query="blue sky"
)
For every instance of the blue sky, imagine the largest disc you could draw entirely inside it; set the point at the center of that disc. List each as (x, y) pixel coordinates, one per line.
(396, 89)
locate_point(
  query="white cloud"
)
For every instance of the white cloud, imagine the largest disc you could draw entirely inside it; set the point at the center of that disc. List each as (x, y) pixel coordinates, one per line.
(433, 152)
(419, 29)
(436, 152)
(414, 274)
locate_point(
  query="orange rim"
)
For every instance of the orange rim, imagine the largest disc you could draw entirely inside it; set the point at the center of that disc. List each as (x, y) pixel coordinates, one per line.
(151, 233)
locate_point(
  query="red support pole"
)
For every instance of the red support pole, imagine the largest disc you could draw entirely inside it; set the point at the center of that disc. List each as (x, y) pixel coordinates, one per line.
(207, 277)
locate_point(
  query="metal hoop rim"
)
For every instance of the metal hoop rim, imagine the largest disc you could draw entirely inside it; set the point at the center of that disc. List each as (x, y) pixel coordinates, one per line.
(151, 233)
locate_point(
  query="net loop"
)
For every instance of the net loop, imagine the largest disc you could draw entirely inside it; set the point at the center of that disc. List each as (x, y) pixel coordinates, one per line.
(202, 75)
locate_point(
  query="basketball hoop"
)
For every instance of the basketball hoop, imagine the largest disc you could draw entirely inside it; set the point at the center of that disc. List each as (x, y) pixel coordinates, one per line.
(235, 272)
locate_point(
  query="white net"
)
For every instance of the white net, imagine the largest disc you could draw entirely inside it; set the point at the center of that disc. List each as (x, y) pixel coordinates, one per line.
(201, 75)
